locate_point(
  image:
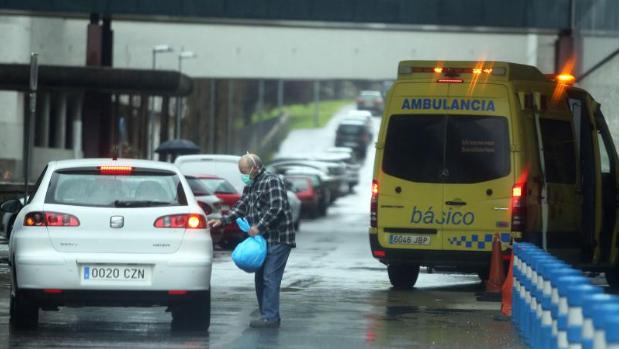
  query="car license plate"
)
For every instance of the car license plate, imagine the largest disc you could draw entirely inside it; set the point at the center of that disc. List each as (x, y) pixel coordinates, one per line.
(406, 239)
(108, 272)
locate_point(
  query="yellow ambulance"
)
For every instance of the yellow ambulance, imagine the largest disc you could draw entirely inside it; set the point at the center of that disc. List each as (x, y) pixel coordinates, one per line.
(472, 150)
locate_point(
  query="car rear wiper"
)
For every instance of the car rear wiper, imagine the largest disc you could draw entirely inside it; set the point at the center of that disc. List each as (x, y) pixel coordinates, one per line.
(140, 203)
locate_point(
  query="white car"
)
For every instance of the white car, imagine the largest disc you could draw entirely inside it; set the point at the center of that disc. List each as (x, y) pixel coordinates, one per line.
(103, 232)
(227, 166)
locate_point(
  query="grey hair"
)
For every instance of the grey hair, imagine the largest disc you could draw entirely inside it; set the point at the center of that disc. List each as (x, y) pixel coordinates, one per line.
(253, 159)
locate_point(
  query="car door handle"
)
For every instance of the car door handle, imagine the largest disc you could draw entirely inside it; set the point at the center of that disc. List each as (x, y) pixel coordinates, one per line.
(455, 203)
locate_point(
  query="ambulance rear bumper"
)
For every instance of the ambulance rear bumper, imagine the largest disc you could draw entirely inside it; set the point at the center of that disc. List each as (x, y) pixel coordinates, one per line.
(465, 261)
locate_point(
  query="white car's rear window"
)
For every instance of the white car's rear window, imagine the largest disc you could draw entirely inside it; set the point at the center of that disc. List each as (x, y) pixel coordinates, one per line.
(142, 188)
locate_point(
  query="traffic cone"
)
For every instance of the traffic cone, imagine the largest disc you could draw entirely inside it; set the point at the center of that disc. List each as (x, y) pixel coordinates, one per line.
(497, 274)
(506, 304)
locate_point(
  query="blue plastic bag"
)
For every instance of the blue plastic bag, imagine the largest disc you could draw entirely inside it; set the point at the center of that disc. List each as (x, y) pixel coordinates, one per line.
(251, 253)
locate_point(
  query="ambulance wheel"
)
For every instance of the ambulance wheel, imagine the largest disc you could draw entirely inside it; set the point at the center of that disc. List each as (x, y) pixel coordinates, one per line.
(612, 277)
(403, 276)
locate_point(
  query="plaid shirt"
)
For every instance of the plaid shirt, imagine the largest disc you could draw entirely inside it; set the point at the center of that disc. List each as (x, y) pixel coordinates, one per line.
(265, 204)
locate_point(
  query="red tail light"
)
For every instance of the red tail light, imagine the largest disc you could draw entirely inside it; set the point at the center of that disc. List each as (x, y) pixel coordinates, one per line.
(50, 219)
(374, 205)
(115, 170)
(177, 292)
(379, 253)
(519, 206)
(187, 221)
(52, 291)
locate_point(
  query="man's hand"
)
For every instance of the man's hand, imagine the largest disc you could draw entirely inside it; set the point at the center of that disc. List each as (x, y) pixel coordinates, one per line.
(253, 231)
(213, 223)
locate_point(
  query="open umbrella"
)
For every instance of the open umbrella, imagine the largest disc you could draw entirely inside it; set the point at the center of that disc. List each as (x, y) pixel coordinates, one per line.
(177, 146)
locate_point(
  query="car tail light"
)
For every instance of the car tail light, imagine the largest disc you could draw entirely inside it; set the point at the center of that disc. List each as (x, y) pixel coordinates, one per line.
(374, 205)
(205, 207)
(52, 291)
(187, 221)
(50, 219)
(519, 206)
(115, 170)
(379, 253)
(177, 292)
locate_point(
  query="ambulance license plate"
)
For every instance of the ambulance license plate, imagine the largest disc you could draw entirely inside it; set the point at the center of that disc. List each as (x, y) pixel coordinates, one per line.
(407, 239)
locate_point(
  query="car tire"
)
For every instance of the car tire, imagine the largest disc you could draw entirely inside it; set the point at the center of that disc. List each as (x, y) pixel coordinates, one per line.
(24, 314)
(193, 315)
(297, 225)
(483, 274)
(403, 276)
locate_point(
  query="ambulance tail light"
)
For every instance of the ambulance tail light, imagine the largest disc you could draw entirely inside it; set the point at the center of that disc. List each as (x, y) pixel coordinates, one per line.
(519, 206)
(374, 204)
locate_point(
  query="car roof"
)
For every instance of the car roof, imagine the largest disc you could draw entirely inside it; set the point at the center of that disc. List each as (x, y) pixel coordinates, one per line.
(370, 92)
(357, 113)
(339, 150)
(206, 157)
(356, 122)
(94, 162)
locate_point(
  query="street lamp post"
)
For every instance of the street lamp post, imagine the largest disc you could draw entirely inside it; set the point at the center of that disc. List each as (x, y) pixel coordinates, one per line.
(151, 115)
(179, 100)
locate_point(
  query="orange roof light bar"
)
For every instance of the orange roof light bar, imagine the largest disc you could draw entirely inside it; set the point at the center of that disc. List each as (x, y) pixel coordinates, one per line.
(566, 78)
(438, 70)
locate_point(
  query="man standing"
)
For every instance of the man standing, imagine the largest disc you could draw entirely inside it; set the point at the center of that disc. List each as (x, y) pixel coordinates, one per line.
(265, 205)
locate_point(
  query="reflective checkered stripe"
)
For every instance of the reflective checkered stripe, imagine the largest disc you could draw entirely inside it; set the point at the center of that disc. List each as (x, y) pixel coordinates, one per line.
(478, 241)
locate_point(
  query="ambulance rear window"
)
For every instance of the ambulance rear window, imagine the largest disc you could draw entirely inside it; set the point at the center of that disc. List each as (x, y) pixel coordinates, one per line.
(447, 149)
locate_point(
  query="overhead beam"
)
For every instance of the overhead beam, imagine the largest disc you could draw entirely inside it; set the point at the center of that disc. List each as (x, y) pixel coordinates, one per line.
(534, 14)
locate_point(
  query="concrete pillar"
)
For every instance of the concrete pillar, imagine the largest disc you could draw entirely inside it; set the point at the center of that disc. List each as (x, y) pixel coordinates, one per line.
(280, 93)
(316, 103)
(76, 118)
(45, 109)
(260, 98)
(60, 128)
(211, 117)
(229, 117)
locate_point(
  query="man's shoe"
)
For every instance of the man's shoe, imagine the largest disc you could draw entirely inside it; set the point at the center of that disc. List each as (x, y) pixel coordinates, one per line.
(262, 323)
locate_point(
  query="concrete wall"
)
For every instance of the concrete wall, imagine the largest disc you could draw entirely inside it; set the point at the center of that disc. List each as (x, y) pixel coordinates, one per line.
(303, 53)
(603, 83)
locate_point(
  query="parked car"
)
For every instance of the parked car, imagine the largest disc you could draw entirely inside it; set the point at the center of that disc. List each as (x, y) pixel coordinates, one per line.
(211, 205)
(334, 173)
(227, 167)
(372, 101)
(353, 134)
(319, 185)
(362, 115)
(8, 219)
(310, 199)
(349, 160)
(105, 232)
(225, 191)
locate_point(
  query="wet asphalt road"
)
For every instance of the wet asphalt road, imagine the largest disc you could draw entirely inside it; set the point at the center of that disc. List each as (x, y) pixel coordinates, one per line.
(334, 295)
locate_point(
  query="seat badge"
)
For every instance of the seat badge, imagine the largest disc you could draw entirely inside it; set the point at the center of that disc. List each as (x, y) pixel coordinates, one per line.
(117, 221)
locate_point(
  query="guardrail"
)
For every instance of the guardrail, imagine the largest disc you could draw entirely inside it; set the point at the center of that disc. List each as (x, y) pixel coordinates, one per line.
(556, 306)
